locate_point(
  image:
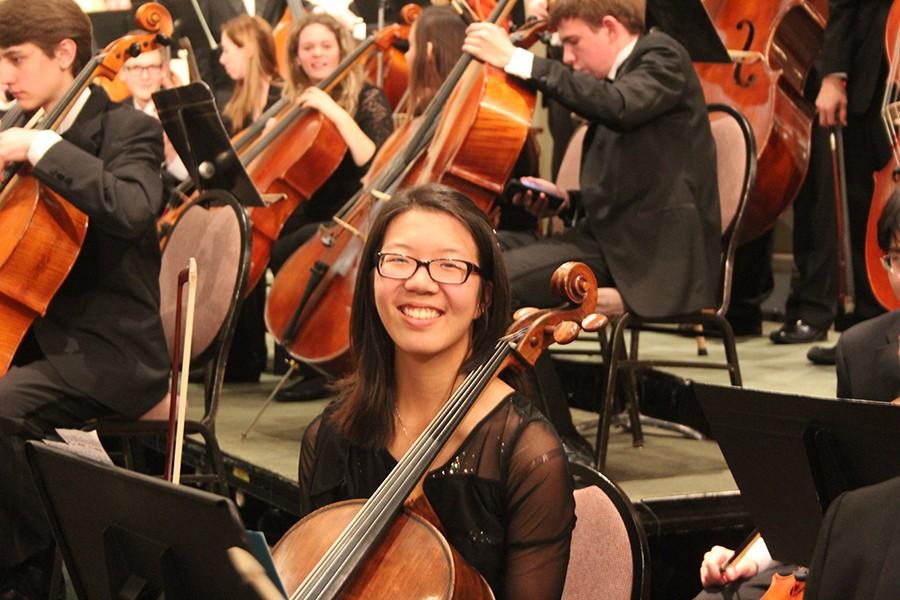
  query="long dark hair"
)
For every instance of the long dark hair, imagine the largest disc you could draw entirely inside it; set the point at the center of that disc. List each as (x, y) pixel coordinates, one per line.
(365, 409)
(446, 31)
(889, 221)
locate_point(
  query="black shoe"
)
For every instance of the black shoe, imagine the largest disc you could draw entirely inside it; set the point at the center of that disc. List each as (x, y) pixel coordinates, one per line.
(798, 332)
(822, 355)
(301, 389)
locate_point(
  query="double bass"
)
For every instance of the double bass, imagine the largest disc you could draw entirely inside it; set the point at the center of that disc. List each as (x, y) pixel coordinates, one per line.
(366, 549)
(774, 44)
(469, 138)
(42, 232)
(888, 178)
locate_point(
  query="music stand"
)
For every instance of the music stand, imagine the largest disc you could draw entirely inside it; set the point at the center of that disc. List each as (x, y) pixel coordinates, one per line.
(688, 22)
(125, 535)
(792, 455)
(192, 122)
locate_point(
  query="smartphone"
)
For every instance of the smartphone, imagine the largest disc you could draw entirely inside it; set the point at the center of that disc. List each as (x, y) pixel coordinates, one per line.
(515, 186)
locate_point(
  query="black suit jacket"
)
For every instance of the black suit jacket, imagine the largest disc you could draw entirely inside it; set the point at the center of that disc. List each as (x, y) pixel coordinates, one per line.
(854, 44)
(858, 549)
(867, 361)
(102, 331)
(648, 174)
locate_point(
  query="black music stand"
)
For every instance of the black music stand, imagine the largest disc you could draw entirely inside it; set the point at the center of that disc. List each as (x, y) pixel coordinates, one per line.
(125, 535)
(192, 122)
(688, 22)
(792, 455)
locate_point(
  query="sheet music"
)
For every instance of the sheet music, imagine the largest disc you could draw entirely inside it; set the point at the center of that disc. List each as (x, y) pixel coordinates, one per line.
(82, 443)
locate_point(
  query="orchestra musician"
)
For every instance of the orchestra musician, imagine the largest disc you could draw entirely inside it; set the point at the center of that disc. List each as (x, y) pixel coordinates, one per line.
(144, 75)
(431, 300)
(361, 112)
(649, 159)
(853, 71)
(100, 350)
(248, 55)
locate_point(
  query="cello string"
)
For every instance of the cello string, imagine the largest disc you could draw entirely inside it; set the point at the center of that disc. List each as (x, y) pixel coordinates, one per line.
(417, 459)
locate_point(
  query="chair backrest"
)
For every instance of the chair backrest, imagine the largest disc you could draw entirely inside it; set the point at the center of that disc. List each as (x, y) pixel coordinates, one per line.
(609, 557)
(215, 230)
(568, 176)
(736, 171)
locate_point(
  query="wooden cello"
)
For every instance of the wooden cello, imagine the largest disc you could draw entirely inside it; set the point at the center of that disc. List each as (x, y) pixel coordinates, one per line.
(42, 232)
(366, 549)
(887, 179)
(774, 44)
(469, 138)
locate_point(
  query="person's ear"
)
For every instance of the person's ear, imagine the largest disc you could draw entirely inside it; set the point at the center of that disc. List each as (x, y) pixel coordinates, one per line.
(64, 54)
(429, 50)
(487, 295)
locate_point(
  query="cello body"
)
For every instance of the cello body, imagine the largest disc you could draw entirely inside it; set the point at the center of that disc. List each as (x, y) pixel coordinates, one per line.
(784, 37)
(888, 177)
(412, 544)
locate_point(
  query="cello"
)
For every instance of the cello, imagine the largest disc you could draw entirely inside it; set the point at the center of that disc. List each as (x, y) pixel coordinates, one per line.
(358, 548)
(774, 45)
(469, 138)
(43, 233)
(888, 177)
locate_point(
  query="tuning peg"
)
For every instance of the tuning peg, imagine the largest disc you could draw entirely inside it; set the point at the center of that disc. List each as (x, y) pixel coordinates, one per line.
(594, 322)
(566, 332)
(524, 312)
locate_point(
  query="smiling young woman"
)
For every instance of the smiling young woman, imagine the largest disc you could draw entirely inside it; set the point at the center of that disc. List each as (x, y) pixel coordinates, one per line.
(431, 300)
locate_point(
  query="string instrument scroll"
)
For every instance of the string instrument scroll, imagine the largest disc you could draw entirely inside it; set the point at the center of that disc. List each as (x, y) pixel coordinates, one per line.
(361, 549)
(42, 232)
(888, 178)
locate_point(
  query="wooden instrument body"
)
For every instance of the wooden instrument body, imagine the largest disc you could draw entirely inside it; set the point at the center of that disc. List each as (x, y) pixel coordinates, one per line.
(886, 179)
(786, 36)
(413, 560)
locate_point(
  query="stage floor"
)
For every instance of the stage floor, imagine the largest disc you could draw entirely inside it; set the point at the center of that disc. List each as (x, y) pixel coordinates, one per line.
(659, 477)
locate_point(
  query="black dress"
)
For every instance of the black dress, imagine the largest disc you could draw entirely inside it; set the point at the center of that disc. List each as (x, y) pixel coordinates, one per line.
(504, 499)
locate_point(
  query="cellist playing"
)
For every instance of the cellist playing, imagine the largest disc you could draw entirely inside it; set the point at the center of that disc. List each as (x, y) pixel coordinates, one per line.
(100, 350)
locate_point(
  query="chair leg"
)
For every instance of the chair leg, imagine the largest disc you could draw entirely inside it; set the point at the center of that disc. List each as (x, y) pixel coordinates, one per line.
(214, 458)
(634, 407)
(614, 349)
(701, 341)
(731, 357)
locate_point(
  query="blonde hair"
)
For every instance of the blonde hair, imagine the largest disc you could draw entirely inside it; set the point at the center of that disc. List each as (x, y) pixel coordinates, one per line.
(346, 93)
(243, 30)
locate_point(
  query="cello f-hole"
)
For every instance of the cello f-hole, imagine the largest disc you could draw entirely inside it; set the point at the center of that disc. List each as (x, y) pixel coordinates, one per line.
(748, 43)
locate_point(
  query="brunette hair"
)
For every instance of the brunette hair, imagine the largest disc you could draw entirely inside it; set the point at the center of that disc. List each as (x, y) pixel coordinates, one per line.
(45, 23)
(364, 412)
(346, 93)
(446, 31)
(243, 30)
(630, 13)
(889, 221)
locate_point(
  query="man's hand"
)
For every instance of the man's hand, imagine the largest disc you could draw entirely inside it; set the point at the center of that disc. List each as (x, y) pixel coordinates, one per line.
(831, 103)
(537, 203)
(14, 145)
(711, 574)
(488, 43)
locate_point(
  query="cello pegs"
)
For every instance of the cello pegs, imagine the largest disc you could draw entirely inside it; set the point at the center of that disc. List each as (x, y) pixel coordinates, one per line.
(524, 312)
(594, 322)
(566, 332)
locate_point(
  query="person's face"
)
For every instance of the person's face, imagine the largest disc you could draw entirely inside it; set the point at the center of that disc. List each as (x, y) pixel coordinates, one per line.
(318, 52)
(426, 319)
(894, 272)
(587, 49)
(144, 74)
(33, 78)
(234, 58)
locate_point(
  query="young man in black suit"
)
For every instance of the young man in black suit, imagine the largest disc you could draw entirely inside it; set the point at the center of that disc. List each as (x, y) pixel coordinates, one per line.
(100, 350)
(648, 175)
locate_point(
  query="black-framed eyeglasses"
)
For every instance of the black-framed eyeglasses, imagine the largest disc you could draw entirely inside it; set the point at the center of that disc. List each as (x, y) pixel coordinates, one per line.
(452, 271)
(141, 69)
(891, 261)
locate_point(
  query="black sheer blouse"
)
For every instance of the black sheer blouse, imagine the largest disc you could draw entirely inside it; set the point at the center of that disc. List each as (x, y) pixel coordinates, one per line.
(504, 499)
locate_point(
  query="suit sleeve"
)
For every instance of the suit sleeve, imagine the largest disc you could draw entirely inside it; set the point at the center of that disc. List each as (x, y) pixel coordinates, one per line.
(836, 45)
(120, 193)
(634, 98)
(844, 385)
(819, 562)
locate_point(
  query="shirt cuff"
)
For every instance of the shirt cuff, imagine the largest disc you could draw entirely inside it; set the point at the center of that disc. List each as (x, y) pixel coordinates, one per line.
(520, 63)
(41, 143)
